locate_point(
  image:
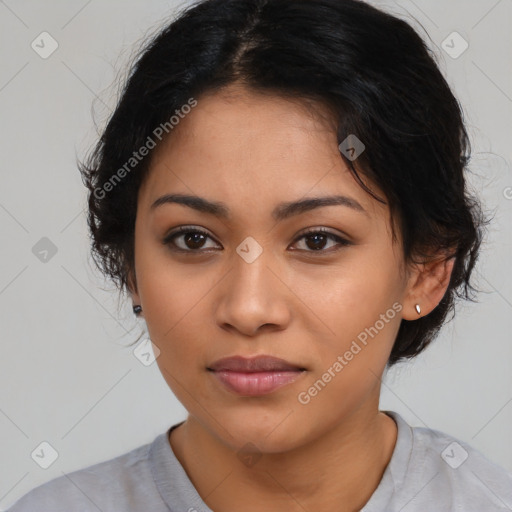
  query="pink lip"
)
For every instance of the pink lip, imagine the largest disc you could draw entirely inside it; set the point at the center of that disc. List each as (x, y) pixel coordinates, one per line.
(262, 363)
(255, 376)
(256, 383)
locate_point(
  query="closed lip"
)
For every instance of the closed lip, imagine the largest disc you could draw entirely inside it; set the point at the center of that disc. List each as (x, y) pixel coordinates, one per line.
(261, 363)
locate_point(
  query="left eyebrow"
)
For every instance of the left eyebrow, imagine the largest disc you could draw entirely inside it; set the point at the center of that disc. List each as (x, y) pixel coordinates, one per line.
(281, 212)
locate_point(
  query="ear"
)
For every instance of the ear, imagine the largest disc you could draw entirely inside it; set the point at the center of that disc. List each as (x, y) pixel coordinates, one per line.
(132, 288)
(426, 286)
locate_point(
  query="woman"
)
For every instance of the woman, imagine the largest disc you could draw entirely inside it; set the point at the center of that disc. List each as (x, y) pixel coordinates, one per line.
(281, 190)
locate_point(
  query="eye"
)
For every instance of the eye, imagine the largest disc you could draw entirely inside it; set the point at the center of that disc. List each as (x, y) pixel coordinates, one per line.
(192, 238)
(318, 237)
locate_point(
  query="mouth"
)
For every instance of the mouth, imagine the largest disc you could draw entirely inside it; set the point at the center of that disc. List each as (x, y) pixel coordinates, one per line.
(255, 376)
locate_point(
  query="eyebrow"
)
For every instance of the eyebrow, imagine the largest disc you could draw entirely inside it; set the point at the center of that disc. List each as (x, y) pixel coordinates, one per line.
(281, 212)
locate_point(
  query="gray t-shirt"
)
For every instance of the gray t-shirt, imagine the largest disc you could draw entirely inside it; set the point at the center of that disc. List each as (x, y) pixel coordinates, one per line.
(428, 471)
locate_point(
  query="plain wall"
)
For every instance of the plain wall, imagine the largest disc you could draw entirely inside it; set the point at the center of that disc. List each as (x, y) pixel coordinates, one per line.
(66, 377)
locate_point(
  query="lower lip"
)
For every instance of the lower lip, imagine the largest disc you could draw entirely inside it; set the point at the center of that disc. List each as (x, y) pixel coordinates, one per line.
(257, 383)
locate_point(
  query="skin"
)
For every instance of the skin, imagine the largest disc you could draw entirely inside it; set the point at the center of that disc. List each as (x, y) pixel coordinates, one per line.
(251, 152)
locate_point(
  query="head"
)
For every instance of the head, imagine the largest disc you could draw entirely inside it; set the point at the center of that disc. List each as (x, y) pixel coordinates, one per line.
(229, 116)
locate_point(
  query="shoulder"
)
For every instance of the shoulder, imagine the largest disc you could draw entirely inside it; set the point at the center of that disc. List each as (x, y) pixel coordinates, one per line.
(447, 466)
(121, 483)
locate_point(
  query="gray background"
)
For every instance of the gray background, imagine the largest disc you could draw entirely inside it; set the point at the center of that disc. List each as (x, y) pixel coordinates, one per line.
(66, 377)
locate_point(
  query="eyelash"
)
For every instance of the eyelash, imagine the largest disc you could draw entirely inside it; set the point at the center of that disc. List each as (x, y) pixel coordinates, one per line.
(190, 229)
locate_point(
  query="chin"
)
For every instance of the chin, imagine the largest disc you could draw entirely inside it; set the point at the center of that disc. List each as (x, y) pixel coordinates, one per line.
(251, 432)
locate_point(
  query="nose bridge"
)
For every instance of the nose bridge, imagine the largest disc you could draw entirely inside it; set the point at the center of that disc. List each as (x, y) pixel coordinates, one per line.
(250, 267)
(252, 295)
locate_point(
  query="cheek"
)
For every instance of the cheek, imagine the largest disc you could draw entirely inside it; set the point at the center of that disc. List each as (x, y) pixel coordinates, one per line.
(158, 289)
(173, 313)
(174, 302)
(163, 285)
(353, 293)
(358, 305)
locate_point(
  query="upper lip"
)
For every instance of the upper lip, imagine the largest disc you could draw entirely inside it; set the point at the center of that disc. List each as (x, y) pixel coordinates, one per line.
(262, 363)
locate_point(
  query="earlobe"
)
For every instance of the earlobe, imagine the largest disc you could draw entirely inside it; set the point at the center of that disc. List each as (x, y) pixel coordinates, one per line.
(132, 289)
(428, 285)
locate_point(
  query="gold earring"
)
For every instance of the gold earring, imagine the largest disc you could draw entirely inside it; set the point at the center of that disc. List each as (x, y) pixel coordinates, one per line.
(418, 309)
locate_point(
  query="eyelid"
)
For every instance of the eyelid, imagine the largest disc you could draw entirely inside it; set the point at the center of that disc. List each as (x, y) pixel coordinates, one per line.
(323, 230)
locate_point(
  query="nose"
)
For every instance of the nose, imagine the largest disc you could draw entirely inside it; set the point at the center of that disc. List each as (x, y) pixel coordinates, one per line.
(254, 297)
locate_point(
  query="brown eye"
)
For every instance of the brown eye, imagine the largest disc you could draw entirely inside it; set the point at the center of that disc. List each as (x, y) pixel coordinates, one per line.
(316, 240)
(191, 239)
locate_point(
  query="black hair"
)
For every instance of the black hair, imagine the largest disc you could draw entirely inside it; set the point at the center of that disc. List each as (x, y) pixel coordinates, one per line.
(379, 80)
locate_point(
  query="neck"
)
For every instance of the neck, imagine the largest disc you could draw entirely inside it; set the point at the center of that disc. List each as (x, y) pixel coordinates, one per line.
(339, 471)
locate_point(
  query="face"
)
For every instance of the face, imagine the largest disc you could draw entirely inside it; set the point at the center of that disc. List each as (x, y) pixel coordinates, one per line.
(254, 281)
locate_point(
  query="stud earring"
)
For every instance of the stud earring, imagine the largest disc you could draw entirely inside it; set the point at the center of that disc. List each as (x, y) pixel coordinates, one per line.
(418, 309)
(137, 309)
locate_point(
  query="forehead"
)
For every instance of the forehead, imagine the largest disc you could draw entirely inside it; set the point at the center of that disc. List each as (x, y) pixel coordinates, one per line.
(251, 150)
